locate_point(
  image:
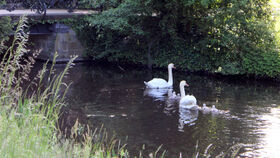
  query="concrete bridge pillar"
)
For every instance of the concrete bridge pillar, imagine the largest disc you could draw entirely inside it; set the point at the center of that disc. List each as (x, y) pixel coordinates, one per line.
(58, 38)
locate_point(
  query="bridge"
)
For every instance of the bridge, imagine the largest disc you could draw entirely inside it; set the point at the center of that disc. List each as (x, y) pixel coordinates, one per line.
(56, 37)
(50, 13)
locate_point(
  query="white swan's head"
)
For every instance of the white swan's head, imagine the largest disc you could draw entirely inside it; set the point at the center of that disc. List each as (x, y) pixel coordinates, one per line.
(171, 66)
(183, 83)
(204, 105)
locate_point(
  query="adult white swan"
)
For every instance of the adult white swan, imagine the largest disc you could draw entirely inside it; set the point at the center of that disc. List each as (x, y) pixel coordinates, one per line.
(187, 101)
(161, 83)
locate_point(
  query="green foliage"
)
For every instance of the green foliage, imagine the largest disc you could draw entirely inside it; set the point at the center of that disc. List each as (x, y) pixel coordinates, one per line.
(266, 63)
(6, 27)
(2, 3)
(215, 36)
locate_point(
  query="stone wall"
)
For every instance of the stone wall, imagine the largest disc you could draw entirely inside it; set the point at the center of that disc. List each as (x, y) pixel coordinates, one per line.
(62, 40)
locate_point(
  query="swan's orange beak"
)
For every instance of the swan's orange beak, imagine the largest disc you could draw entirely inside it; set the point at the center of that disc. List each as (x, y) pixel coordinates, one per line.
(174, 67)
(187, 85)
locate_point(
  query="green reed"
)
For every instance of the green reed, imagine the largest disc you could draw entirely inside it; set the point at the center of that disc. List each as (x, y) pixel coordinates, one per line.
(28, 122)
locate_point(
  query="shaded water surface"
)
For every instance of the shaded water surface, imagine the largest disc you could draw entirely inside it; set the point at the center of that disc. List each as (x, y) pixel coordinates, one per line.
(116, 97)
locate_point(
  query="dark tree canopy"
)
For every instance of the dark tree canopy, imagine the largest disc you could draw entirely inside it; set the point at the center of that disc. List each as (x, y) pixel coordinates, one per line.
(227, 36)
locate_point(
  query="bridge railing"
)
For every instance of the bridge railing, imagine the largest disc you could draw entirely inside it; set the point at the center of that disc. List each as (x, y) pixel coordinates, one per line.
(40, 6)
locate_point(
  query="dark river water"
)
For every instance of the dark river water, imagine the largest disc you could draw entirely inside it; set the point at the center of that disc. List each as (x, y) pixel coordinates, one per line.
(116, 98)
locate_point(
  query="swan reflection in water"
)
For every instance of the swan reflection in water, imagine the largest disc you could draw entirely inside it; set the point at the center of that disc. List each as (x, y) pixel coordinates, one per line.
(171, 102)
(166, 95)
(157, 94)
(186, 117)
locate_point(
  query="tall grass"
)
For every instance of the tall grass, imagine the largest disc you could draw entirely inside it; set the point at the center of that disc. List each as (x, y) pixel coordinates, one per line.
(29, 118)
(28, 123)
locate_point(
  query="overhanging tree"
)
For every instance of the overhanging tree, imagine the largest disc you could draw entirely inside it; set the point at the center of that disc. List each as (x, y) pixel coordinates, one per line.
(209, 35)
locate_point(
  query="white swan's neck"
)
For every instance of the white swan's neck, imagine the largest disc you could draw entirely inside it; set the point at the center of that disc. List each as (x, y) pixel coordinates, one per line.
(182, 90)
(170, 77)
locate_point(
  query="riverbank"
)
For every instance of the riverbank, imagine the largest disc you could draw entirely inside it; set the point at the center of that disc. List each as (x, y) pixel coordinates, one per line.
(215, 75)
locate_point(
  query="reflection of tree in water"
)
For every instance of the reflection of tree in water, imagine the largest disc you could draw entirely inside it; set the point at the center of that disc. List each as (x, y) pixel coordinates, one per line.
(98, 80)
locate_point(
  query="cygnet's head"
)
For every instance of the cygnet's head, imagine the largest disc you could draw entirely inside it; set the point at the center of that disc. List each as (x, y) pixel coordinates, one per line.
(183, 83)
(171, 65)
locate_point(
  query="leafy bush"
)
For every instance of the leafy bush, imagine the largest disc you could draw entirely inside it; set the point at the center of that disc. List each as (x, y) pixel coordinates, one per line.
(214, 36)
(6, 28)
